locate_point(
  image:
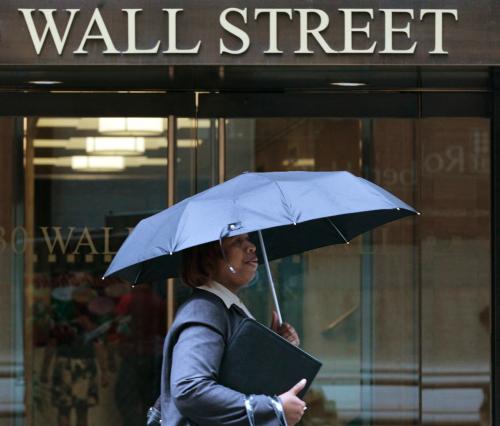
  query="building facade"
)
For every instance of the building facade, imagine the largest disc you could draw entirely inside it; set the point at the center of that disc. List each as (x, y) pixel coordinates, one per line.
(115, 110)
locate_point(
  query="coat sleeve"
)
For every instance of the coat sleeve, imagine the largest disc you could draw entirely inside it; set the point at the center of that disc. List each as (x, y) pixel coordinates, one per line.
(197, 395)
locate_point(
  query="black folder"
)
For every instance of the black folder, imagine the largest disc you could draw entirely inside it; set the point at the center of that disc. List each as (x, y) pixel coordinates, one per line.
(259, 361)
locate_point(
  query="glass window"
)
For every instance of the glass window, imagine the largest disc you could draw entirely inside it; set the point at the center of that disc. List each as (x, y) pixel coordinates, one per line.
(400, 317)
(96, 345)
(196, 156)
(196, 169)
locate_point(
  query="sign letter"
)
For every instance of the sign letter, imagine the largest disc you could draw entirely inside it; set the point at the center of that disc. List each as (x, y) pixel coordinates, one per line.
(349, 30)
(172, 34)
(51, 245)
(107, 251)
(390, 30)
(438, 37)
(50, 26)
(273, 26)
(132, 45)
(315, 32)
(103, 35)
(89, 243)
(234, 30)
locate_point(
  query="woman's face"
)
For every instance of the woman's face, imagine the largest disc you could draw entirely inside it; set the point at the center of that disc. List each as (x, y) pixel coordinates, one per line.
(240, 255)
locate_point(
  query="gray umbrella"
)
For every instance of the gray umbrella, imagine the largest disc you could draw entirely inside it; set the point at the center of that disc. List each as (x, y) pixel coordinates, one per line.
(292, 211)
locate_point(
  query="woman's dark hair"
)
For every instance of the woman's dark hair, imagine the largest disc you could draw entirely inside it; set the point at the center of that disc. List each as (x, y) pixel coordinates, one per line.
(199, 263)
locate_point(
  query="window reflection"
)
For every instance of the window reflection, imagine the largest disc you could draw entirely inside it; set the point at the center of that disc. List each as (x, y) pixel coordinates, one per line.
(196, 156)
(400, 317)
(97, 344)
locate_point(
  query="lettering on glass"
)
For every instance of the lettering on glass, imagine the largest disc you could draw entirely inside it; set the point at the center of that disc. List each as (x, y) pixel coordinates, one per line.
(54, 243)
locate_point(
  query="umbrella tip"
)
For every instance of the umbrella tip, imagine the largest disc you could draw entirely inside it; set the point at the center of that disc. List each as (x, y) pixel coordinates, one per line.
(418, 213)
(171, 253)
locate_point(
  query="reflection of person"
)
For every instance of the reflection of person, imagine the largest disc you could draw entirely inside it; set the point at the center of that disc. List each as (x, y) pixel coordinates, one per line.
(139, 344)
(74, 378)
(195, 345)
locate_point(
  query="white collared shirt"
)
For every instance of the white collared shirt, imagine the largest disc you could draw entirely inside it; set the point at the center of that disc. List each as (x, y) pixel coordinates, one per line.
(227, 296)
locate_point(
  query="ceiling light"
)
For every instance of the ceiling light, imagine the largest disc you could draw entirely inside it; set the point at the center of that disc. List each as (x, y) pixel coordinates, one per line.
(347, 84)
(115, 145)
(81, 164)
(131, 126)
(50, 143)
(45, 82)
(189, 143)
(189, 123)
(91, 163)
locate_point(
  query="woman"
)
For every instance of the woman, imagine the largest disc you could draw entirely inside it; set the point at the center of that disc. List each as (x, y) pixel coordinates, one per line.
(195, 345)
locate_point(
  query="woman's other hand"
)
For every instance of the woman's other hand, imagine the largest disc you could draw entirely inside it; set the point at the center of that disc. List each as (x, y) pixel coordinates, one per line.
(285, 330)
(293, 406)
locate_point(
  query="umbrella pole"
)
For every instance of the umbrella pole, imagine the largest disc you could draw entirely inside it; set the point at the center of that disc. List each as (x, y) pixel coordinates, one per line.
(270, 277)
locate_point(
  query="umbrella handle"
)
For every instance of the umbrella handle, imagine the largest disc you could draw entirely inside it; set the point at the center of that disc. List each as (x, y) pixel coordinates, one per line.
(270, 277)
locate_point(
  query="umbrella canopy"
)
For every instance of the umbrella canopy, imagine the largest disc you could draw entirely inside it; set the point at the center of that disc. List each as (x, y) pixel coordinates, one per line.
(296, 211)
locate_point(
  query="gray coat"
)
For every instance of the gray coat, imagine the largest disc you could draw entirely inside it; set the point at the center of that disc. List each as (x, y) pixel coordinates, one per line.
(193, 350)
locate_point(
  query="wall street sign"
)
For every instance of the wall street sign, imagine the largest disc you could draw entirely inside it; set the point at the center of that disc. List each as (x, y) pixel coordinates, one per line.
(228, 32)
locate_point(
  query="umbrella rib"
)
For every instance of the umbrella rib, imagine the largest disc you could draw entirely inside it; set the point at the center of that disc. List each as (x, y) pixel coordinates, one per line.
(338, 230)
(285, 198)
(138, 272)
(180, 225)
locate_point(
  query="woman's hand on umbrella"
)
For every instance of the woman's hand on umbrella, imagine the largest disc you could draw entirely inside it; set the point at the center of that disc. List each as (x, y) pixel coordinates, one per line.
(285, 330)
(293, 406)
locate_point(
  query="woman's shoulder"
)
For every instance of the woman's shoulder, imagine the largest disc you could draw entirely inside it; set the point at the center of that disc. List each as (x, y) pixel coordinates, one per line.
(203, 308)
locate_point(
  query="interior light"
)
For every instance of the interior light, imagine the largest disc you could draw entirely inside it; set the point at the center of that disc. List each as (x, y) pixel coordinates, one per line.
(96, 163)
(122, 145)
(45, 82)
(189, 123)
(131, 126)
(189, 143)
(82, 163)
(347, 84)
(299, 162)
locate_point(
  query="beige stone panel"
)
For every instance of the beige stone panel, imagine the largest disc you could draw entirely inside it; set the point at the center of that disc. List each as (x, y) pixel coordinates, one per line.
(6, 227)
(8, 358)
